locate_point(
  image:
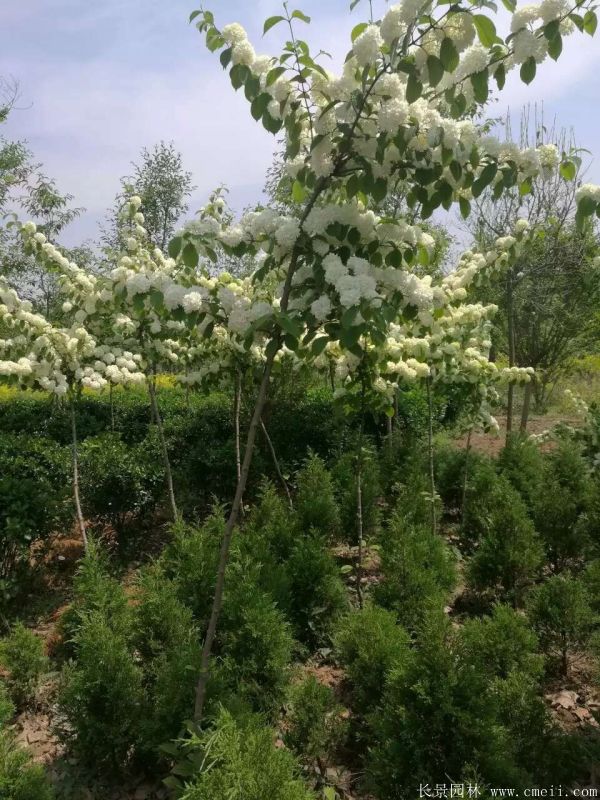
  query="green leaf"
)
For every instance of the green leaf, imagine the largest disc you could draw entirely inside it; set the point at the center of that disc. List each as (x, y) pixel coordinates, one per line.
(500, 76)
(194, 14)
(435, 69)
(590, 22)
(528, 70)
(568, 170)
(290, 325)
(509, 5)
(465, 207)
(175, 246)
(273, 74)
(319, 345)
(271, 124)
(358, 29)
(238, 75)
(190, 255)
(486, 30)
(525, 188)
(414, 88)
(449, 55)
(225, 57)
(379, 191)
(259, 105)
(586, 206)
(479, 82)
(555, 47)
(298, 191)
(300, 15)
(552, 29)
(271, 22)
(348, 317)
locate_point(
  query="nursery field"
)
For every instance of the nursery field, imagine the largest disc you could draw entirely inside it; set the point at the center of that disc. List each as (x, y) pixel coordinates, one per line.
(300, 496)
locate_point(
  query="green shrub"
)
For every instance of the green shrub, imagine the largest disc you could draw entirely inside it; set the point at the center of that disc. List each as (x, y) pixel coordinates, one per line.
(317, 595)
(118, 482)
(485, 492)
(368, 644)
(344, 474)
(169, 645)
(22, 654)
(100, 696)
(500, 644)
(561, 505)
(315, 727)
(591, 581)
(244, 764)
(418, 571)
(510, 553)
(436, 719)
(523, 464)
(190, 560)
(254, 641)
(315, 504)
(560, 612)
(19, 778)
(7, 707)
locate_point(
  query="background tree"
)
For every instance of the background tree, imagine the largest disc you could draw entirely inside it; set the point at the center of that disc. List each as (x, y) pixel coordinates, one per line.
(164, 186)
(548, 301)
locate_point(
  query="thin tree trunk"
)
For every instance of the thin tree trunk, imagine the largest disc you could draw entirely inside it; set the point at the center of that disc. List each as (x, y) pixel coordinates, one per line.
(237, 404)
(463, 504)
(276, 463)
(359, 520)
(526, 406)
(395, 417)
(112, 408)
(75, 461)
(163, 445)
(332, 376)
(511, 354)
(430, 455)
(390, 435)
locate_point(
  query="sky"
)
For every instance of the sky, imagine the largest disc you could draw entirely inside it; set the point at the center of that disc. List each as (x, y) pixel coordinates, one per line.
(100, 81)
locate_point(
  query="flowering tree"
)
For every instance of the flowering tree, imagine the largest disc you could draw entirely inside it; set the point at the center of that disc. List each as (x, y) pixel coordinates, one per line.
(401, 110)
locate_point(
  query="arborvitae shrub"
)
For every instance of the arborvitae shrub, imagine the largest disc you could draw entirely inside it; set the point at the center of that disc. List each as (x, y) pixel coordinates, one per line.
(591, 581)
(244, 764)
(191, 558)
(94, 590)
(412, 487)
(345, 477)
(501, 643)
(101, 695)
(561, 505)
(510, 553)
(168, 642)
(317, 595)
(561, 613)
(418, 571)
(20, 779)
(7, 707)
(22, 654)
(315, 501)
(485, 491)
(436, 720)
(271, 525)
(368, 644)
(523, 464)
(314, 725)
(255, 641)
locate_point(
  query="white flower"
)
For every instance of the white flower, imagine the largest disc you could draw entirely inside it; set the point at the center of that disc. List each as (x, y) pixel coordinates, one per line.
(321, 308)
(243, 53)
(193, 301)
(367, 46)
(523, 17)
(287, 234)
(392, 115)
(588, 190)
(234, 33)
(392, 25)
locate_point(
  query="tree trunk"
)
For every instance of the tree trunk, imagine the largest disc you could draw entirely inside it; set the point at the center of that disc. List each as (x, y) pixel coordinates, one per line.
(112, 408)
(430, 455)
(390, 435)
(511, 353)
(463, 505)
(526, 405)
(163, 445)
(359, 525)
(75, 462)
(276, 464)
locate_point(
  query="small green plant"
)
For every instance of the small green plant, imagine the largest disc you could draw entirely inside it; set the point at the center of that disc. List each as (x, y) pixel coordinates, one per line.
(368, 644)
(315, 726)
(22, 654)
(560, 612)
(344, 476)
(317, 595)
(315, 504)
(101, 696)
(418, 571)
(20, 779)
(510, 553)
(237, 760)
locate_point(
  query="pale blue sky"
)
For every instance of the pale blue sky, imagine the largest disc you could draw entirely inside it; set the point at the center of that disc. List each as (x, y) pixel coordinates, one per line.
(101, 80)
